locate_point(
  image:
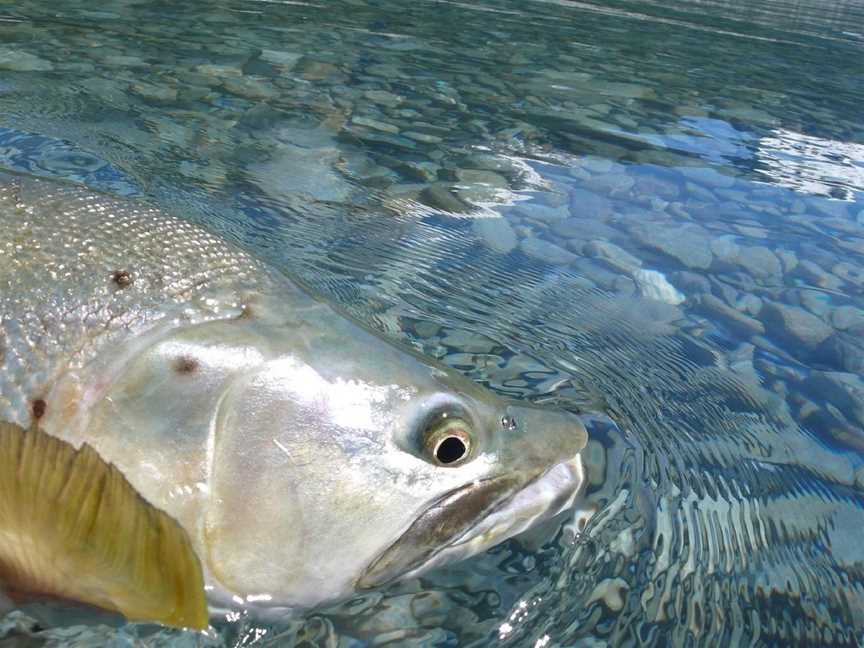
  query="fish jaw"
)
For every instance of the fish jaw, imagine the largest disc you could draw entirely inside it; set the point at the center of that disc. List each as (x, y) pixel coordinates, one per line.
(514, 504)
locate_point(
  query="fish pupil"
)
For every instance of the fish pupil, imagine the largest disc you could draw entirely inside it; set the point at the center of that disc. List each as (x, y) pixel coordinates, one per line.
(450, 449)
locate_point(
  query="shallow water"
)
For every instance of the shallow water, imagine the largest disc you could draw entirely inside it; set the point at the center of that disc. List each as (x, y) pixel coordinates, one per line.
(651, 213)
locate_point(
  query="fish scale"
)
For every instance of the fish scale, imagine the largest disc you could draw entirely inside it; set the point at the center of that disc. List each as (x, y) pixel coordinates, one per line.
(57, 314)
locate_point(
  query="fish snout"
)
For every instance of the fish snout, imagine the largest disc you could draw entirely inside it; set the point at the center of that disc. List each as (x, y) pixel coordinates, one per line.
(541, 474)
(535, 439)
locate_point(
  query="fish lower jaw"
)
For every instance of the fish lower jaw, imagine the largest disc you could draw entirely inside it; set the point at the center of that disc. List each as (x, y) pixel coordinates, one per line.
(554, 491)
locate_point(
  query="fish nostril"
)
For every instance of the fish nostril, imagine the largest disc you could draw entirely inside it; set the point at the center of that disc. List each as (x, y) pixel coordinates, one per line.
(122, 278)
(450, 450)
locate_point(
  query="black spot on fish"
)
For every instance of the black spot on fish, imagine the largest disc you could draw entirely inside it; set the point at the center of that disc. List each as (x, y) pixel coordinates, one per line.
(122, 278)
(39, 407)
(246, 313)
(185, 365)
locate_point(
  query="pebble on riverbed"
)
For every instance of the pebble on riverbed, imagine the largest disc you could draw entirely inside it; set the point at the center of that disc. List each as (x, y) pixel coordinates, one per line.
(22, 61)
(496, 234)
(845, 390)
(654, 285)
(794, 325)
(731, 316)
(688, 244)
(545, 251)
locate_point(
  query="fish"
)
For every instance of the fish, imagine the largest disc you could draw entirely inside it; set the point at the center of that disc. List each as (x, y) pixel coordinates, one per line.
(299, 455)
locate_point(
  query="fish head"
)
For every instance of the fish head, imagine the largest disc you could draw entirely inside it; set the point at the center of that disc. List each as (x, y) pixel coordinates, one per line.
(346, 463)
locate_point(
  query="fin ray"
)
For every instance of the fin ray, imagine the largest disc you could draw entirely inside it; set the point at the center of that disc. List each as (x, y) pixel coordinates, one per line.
(71, 525)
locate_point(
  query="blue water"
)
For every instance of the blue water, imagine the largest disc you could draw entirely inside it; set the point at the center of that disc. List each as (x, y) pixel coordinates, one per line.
(650, 213)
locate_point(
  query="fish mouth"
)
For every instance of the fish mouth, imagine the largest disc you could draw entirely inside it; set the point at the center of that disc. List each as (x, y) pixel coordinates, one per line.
(475, 517)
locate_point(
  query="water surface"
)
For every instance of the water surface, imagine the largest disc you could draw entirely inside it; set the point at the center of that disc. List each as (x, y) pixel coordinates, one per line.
(651, 213)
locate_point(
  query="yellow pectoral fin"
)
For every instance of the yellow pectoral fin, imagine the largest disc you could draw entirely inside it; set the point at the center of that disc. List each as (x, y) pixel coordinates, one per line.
(72, 526)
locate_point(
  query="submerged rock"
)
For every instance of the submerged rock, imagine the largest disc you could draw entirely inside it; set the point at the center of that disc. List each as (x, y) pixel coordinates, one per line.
(587, 204)
(295, 172)
(699, 192)
(845, 351)
(848, 272)
(845, 390)
(489, 162)
(477, 176)
(440, 197)
(541, 212)
(726, 250)
(788, 259)
(795, 324)
(653, 185)
(154, 93)
(249, 88)
(546, 251)
(691, 282)
(847, 317)
(760, 262)
(422, 171)
(374, 124)
(284, 60)
(496, 234)
(605, 278)
(313, 70)
(612, 254)
(757, 260)
(581, 229)
(815, 301)
(654, 285)
(219, 71)
(732, 317)
(384, 98)
(749, 303)
(468, 341)
(610, 183)
(688, 244)
(708, 177)
(831, 208)
(425, 138)
(816, 276)
(121, 60)
(18, 61)
(611, 592)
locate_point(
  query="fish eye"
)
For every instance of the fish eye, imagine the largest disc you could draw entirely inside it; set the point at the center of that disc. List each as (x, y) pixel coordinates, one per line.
(447, 440)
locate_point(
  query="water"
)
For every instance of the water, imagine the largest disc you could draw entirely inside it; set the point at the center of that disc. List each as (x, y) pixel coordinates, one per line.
(651, 213)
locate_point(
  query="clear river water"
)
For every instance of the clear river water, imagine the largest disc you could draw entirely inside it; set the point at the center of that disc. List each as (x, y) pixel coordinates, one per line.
(650, 213)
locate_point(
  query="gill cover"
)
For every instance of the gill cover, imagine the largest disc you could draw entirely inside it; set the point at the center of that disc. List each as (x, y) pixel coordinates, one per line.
(291, 510)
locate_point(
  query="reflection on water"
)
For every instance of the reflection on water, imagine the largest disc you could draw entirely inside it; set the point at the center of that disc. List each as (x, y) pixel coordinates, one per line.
(812, 165)
(649, 213)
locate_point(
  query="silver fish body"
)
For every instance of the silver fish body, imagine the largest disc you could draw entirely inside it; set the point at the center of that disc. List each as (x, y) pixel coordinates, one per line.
(305, 455)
